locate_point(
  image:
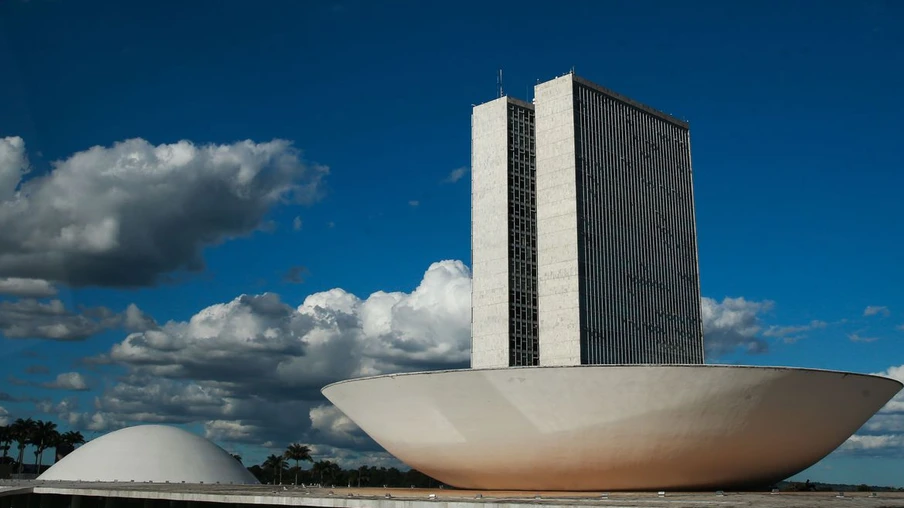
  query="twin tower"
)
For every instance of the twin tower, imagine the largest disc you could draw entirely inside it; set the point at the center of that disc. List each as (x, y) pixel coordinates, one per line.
(583, 235)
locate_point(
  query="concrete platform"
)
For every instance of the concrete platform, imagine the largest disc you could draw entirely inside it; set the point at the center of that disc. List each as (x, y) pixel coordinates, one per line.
(75, 494)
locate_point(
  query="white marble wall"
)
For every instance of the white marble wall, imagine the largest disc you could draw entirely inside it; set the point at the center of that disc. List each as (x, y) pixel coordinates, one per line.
(557, 232)
(489, 235)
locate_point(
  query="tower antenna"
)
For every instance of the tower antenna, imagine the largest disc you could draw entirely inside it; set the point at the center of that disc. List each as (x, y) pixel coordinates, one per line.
(499, 83)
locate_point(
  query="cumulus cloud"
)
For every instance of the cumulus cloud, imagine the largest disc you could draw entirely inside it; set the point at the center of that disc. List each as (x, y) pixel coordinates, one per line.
(136, 320)
(876, 310)
(414, 203)
(227, 430)
(896, 405)
(456, 175)
(28, 288)
(64, 406)
(791, 334)
(732, 324)
(354, 458)
(13, 165)
(72, 381)
(127, 214)
(883, 434)
(4, 414)
(296, 223)
(874, 444)
(242, 366)
(330, 425)
(30, 318)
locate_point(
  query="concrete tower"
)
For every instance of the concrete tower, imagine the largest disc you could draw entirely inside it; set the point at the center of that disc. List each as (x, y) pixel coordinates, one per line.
(504, 319)
(584, 246)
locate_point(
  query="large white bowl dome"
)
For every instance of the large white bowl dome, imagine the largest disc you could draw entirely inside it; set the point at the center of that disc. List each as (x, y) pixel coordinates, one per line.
(588, 428)
(150, 453)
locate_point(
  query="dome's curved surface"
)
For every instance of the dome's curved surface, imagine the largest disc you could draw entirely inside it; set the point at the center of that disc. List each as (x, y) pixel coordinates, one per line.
(598, 428)
(150, 453)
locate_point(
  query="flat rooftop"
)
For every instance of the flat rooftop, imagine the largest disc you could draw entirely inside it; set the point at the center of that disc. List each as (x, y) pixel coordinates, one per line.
(341, 497)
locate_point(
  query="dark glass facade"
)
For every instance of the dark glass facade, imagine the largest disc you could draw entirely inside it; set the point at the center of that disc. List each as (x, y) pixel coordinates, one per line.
(637, 246)
(522, 231)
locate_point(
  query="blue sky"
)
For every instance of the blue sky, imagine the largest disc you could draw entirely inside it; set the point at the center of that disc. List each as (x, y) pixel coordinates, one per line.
(795, 114)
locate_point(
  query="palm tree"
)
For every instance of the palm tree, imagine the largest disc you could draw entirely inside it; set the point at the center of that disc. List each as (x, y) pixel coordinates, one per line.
(298, 452)
(43, 437)
(6, 440)
(276, 463)
(22, 434)
(69, 440)
(326, 469)
(72, 438)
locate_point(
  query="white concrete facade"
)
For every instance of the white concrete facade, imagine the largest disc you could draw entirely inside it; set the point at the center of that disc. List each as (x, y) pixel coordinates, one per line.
(609, 427)
(150, 453)
(557, 227)
(489, 235)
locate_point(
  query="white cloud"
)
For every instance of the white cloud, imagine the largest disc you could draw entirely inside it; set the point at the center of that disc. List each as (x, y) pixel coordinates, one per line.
(136, 320)
(353, 459)
(874, 444)
(856, 337)
(29, 318)
(900, 327)
(886, 421)
(13, 165)
(456, 175)
(73, 381)
(128, 214)
(883, 434)
(240, 367)
(28, 288)
(896, 405)
(63, 407)
(791, 334)
(876, 310)
(733, 324)
(227, 430)
(331, 425)
(414, 202)
(4, 416)
(296, 223)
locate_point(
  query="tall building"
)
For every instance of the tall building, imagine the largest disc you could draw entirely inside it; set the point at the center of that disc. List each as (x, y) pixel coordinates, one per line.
(584, 245)
(504, 319)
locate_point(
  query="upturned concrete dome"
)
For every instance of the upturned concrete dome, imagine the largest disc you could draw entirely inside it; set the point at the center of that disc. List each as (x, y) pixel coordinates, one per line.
(150, 453)
(612, 427)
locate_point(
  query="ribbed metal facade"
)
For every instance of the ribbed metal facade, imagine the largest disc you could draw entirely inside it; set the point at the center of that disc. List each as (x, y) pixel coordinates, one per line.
(522, 236)
(637, 249)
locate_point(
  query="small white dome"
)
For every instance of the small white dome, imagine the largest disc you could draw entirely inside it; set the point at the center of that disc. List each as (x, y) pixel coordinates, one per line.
(150, 453)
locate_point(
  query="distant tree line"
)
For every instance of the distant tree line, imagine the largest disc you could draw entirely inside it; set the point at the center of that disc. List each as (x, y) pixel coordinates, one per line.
(276, 469)
(808, 486)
